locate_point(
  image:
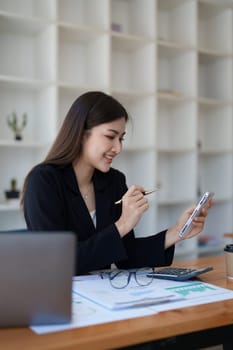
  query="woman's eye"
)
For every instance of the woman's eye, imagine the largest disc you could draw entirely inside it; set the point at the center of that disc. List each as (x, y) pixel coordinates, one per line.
(110, 137)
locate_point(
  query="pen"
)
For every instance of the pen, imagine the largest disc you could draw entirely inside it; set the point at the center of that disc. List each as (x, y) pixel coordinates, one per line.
(145, 193)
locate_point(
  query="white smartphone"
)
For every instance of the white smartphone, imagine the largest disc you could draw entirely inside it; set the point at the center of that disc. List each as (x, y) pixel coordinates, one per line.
(202, 202)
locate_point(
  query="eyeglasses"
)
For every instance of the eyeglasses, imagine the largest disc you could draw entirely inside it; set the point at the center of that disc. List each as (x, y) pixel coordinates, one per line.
(121, 278)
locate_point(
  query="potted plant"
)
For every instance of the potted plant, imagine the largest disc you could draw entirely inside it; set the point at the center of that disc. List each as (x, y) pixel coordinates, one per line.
(13, 192)
(16, 127)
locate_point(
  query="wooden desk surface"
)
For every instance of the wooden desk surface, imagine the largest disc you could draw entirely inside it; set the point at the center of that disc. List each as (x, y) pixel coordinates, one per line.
(228, 235)
(137, 330)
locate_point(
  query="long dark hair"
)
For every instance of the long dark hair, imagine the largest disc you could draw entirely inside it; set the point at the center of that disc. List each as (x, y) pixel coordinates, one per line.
(87, 111)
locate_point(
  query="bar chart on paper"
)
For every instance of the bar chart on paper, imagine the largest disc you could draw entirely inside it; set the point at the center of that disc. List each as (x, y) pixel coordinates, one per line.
(192, 293)
(196, 289)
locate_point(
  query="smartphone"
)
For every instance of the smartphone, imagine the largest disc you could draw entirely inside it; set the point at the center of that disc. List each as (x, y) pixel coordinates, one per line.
(202, 202)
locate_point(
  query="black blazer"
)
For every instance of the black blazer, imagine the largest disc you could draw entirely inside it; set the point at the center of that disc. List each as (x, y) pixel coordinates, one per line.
(53, 202)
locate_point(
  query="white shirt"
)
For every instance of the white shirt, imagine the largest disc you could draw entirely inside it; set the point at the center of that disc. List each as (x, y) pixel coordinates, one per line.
(93, 216)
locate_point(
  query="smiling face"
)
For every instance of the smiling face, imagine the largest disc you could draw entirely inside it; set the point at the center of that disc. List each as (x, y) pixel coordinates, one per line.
(102, 144)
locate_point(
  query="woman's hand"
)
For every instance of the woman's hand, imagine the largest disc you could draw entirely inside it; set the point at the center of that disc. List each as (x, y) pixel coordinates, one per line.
(134, 204)
(172, 235)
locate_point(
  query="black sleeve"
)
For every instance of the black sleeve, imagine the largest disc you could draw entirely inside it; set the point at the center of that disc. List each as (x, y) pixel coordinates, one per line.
(146, 251)
(43, 209)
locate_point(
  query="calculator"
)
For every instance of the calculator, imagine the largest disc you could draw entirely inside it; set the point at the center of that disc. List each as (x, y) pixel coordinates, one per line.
(178, 273)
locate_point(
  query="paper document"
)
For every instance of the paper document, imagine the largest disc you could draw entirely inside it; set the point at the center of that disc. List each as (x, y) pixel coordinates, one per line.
(101, 292)
(87, 312)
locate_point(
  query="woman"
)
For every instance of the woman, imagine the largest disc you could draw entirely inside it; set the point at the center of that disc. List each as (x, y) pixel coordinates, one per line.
(75, 189)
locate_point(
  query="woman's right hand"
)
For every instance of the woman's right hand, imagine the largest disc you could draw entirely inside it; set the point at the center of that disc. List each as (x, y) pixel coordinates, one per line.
(134, 204)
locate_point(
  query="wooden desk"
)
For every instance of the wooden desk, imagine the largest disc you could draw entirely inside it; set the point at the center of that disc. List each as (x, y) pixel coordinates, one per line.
(228, 235)
(176, 323)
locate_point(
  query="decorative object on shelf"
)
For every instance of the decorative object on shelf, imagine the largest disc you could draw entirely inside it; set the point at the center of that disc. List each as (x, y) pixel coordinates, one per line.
(13, 192)
(116, 27)
(13, 123)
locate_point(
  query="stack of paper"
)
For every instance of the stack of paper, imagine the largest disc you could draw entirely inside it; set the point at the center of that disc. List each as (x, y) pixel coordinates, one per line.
(101, 292)
(87, 312)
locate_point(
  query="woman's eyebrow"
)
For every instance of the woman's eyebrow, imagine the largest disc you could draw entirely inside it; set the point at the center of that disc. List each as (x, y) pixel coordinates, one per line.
(116, 132)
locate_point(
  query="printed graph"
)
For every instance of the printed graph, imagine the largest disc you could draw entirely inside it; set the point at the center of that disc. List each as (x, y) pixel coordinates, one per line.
(192, 289)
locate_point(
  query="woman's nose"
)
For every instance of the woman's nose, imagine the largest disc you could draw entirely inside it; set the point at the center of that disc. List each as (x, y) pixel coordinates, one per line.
(117, 147)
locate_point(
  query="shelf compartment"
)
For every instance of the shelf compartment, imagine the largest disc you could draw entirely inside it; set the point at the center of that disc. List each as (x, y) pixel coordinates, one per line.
(214, 27)
(29, 84)
(132, 65)
(147, 224)
(86, 13)
(12, 220)
(218, 222)
(168, 214)
(17, 169)
(177, 21)
(215, 128)
(66, 96)
(177, 71)
(133, 17)
(176, 176)
(215, 174)
(222, 3)
(11, 205)
(83, 57)
(136, 168)
(176, 125)
(21, 25)
(39, 104)
(138, 135)
(29, 8)
(172, 96)
(215, 77)
(126, 42)
(213, 102)
(174, 45)
(27, 41)
(4, 143)
(186, 249)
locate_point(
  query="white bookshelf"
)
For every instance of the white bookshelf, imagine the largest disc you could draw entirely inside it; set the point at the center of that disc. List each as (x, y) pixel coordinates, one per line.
(170, 62)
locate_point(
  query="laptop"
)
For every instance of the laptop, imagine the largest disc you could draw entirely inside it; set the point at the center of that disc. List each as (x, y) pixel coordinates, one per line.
(36, 270)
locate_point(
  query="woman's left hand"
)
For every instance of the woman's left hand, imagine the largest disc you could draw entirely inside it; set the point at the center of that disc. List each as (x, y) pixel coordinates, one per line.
(198, 223)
